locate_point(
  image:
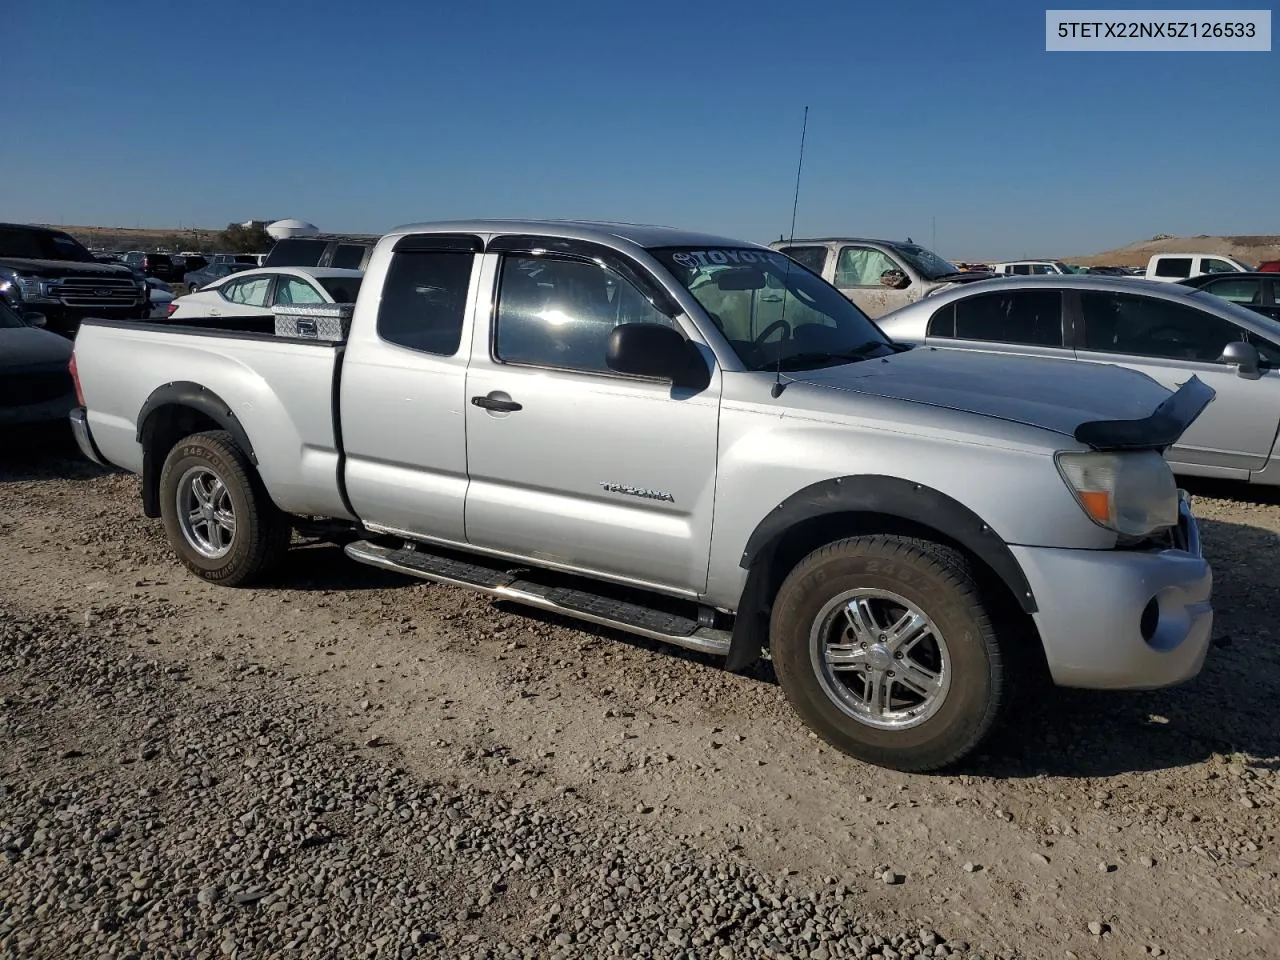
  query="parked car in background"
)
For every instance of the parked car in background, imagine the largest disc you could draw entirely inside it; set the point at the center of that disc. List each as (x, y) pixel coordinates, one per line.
(877, 275)
(51, 272)
(1167, 331)
(1023, 268)
(344, 252)
(1172, 267)
(253, 292)
(551, 413)
(212, 272)
(35, 383)
(1258, 291)
(158, 265)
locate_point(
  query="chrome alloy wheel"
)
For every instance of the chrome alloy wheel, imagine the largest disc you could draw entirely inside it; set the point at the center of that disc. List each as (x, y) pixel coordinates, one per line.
(880, 659)
(205, 513)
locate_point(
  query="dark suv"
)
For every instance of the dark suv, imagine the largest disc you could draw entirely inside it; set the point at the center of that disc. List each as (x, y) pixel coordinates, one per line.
(49, 272)
(348, 253)
(158, 265)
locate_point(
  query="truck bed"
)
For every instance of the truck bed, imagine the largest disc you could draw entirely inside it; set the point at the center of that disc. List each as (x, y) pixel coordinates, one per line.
(283, 391)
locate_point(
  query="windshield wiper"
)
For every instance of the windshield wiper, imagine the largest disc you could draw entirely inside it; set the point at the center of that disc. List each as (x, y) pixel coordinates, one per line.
(800, 361)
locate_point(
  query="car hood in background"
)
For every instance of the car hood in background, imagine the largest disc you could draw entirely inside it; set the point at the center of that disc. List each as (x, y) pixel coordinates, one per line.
(1056, 395)
(31, 347)
(64, 268)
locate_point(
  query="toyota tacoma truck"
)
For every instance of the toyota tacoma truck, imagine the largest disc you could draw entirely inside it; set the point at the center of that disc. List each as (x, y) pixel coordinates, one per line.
(694, 439)
(51, 273)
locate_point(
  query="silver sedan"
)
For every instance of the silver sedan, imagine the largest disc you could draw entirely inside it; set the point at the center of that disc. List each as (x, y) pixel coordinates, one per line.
(1166, 331)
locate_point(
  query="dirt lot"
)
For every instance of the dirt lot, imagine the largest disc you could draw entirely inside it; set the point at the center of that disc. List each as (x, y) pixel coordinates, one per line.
(350, 763)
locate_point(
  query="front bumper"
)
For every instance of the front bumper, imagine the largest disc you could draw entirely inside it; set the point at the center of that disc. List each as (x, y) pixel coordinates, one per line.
(84, 439)
(1091, 605)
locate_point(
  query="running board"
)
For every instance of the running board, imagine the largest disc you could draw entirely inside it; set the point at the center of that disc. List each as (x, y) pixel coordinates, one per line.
(537, 588)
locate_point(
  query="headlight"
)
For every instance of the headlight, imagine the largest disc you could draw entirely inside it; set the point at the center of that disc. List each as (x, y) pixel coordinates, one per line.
(1133, 494)
(11, 286)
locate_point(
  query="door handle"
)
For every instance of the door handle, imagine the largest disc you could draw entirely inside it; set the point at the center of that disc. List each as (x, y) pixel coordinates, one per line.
(489, 403)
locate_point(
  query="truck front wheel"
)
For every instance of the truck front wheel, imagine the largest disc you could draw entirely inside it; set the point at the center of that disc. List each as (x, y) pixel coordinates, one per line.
(220, 520)
(884, 647)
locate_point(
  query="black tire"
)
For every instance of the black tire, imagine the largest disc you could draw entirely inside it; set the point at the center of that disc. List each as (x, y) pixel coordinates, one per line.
(262, 532)
(941, 584)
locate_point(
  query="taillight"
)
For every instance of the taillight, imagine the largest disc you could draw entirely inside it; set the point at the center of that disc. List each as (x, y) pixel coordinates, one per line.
(173, 305)
(75, 379)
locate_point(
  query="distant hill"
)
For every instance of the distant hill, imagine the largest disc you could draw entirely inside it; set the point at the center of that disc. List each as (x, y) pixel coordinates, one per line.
(1250, 250)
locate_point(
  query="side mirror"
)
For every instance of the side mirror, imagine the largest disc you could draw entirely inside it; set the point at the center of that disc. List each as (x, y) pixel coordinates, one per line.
(895, 279)
(656, 350)
(34, 319)
(1244, 357)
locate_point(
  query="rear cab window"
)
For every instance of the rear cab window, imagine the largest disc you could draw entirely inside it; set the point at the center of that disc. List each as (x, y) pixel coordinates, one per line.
(424, 299)
(812, 258)
(1176, 267)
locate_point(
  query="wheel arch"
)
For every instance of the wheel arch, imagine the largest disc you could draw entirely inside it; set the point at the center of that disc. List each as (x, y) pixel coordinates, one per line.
(845, 506)
(173, 411)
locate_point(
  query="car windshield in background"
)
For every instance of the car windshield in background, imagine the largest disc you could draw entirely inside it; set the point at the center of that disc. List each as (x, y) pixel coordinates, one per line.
(772, 312)
(42, 245)
(927, 263)
(342, 289)
(9, 318)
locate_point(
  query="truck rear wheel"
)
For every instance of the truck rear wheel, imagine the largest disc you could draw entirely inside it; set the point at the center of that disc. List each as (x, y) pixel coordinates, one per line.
(218, 516)
(884, 648)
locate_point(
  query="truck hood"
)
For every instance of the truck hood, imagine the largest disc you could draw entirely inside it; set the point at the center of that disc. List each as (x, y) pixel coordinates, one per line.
(31, 347)
(64, 268)
(1104, 406)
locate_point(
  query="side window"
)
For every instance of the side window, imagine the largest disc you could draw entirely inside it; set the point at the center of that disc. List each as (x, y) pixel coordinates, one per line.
(560, 313)
(1025, 317)
(1178, 267)
(1153, 327)
(862, 267)
(943, 323)
(251, 291)
(1020, 269)
(815, 258)
(1214, 265)
(1247, 290)
(424, 300)
(294, 290)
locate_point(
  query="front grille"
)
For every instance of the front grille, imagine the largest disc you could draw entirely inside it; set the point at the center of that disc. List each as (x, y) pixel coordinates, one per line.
(88, 292)
(25, 389)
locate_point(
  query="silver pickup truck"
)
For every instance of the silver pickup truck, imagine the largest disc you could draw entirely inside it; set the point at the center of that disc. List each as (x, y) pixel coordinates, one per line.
(694, 439)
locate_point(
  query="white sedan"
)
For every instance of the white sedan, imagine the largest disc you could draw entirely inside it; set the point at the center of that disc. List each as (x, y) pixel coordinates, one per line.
(252, 293)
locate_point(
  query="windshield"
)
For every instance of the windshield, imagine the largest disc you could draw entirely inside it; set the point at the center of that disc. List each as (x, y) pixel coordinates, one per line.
(9, 318)
(32, 244)
(927, 263)
(771, 309)
(342, 289)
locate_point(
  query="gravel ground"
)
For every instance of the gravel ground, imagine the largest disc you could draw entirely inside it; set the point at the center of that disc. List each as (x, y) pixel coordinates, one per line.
(349, 763)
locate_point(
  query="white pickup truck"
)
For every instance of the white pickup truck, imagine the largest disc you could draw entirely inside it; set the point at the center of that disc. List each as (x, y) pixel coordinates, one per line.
(1172, 267)
(694, 439)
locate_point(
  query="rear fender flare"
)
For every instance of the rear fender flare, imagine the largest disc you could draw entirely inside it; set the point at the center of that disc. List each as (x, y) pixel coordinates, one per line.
(181, 393)
(871, 495)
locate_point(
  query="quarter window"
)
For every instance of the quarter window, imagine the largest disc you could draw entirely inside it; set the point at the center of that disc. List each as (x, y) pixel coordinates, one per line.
(815, 258)
(251, 291)
(560, 313)
(424, 300)
(1178, 267)
(1023, 317)
(1153, 327)
(862, 267)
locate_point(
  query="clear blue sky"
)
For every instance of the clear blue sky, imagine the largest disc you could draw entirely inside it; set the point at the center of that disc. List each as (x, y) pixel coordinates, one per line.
(363, 114)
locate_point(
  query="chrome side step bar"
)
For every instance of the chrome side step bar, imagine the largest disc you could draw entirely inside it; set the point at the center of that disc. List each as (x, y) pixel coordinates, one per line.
(534, 589)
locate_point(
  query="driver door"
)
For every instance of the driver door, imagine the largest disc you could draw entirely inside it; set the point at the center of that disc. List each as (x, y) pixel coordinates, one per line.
(1170, 342)
(859, 273)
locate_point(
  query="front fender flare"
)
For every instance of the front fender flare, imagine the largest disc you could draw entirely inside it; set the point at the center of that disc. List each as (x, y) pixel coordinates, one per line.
(872, 496)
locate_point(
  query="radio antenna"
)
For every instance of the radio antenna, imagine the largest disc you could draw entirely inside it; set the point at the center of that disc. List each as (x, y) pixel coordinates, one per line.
(776, 390)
